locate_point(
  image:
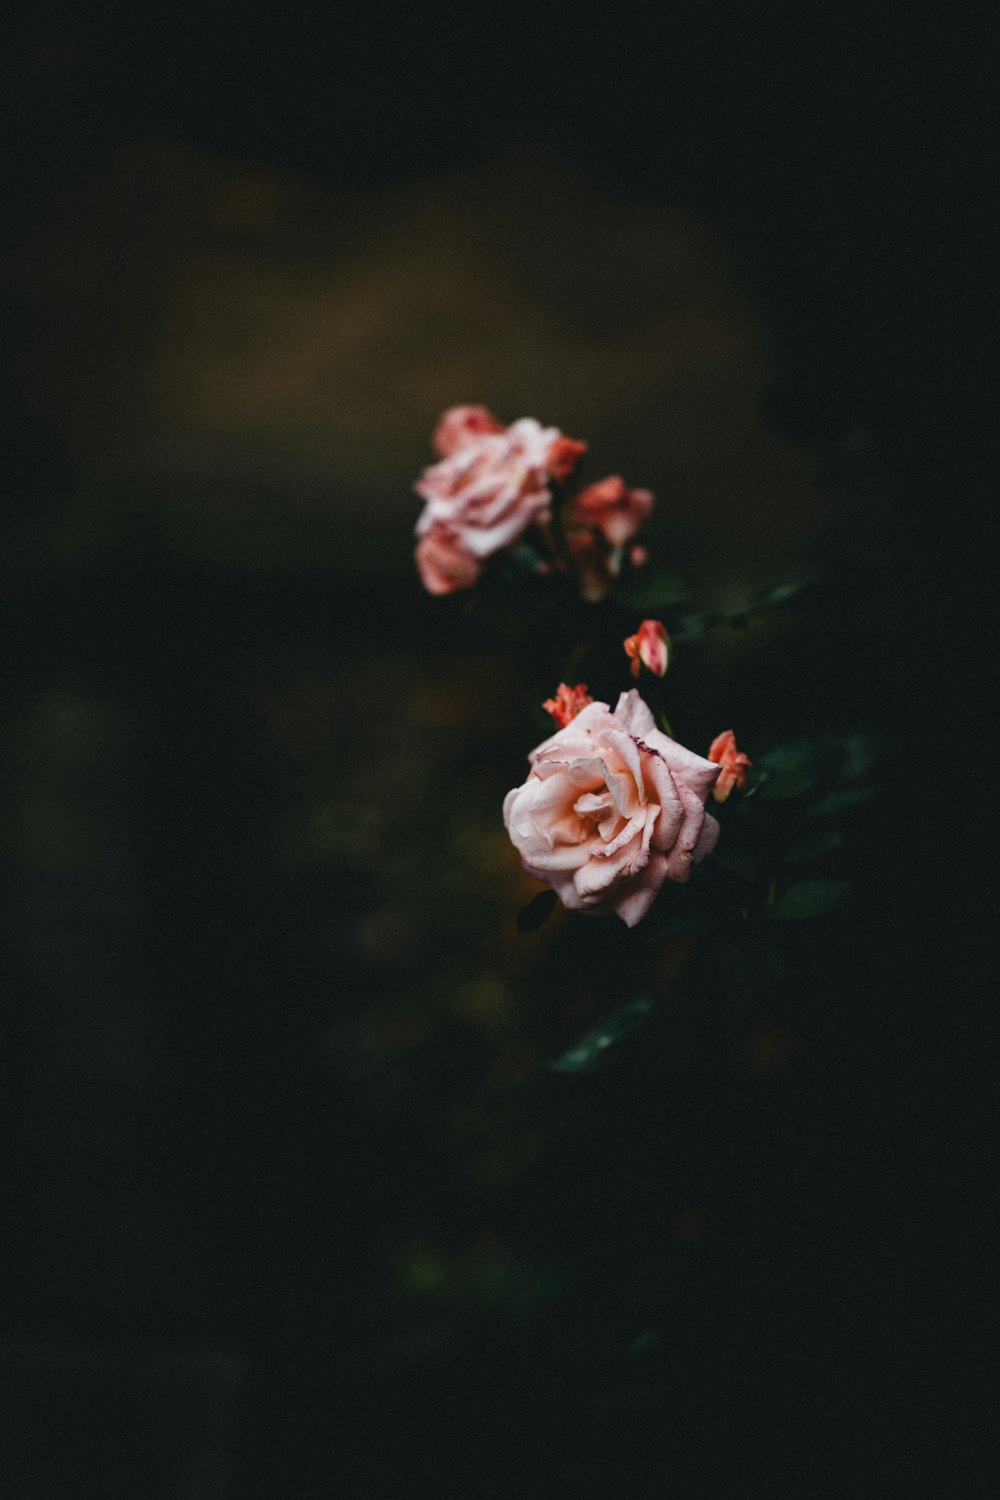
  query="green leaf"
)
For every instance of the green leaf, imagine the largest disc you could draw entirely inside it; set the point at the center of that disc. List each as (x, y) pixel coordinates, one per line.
(820, 842)
(591, 1051)
(523, 557)
(691, 627)
(537, 911)
(838, 802)
(791, 770)
(801, 766)
(860, 753)
(809, 898)
(783, 591)
(739, 864)
(652, 590)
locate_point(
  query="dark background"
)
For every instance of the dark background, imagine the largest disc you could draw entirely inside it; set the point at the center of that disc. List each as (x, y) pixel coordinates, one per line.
(292, 1204)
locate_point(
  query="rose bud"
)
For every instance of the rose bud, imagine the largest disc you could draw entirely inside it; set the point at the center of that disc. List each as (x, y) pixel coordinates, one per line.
(648, 647)
(734, 763)
(612, 808)
(567, 703)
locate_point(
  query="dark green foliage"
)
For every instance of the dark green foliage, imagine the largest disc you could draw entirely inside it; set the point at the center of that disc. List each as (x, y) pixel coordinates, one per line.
(712, 896)
(790, 770)
(592, 1050)
(784, 591)
(651, 590)
(838, 802)
(808, 898)
(822, 842)
(801, 766)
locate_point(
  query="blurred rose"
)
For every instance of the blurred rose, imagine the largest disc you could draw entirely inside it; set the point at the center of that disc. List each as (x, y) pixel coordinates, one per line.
(648, 647)
(567, 703)
(733, 762)
(564, 458)
(490, 489)
(610, 506)
(611, 809)
(443, 562)
(591, 558)
(600, 522)
(459, 424)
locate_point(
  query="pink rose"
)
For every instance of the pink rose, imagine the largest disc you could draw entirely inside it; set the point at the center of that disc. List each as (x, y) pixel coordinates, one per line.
(444, 564)
(611, 809)
(612, 509)
(600, 521)
(460, 424)
(490, 488)
(649, 648)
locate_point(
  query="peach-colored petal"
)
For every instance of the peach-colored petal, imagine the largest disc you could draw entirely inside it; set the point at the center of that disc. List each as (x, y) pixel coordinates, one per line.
(709, 838)
(664, 790)
(578, 736)
(638, 896)
(634, 715)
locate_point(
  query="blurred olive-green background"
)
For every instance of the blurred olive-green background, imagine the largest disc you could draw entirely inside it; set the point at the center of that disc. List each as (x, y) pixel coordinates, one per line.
(294, 1203)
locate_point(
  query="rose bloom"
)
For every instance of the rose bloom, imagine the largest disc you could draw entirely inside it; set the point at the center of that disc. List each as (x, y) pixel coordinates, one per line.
(600, 522)
(733, 763)
(490, 488)
(612, 508)
(611, 809)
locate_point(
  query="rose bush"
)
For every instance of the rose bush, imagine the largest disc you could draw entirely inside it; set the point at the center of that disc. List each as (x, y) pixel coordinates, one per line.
(611, 809)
